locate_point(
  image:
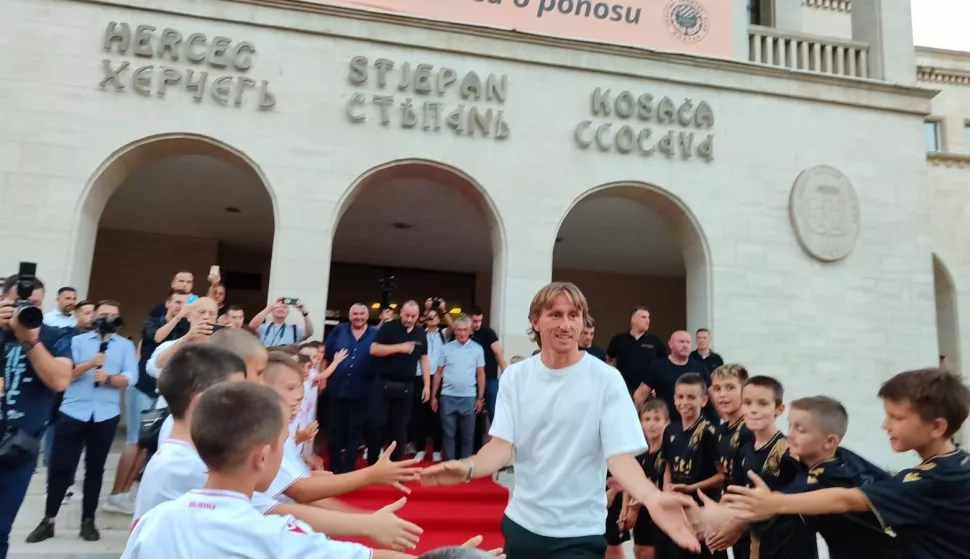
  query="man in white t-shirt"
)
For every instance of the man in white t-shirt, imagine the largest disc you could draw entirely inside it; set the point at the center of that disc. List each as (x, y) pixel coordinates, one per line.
(568, 417)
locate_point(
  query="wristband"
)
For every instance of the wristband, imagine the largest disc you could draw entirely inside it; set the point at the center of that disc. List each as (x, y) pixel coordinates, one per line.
(306, 314)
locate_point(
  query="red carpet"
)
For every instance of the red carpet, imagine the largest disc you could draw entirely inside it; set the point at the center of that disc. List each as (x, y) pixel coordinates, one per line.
(448, 515)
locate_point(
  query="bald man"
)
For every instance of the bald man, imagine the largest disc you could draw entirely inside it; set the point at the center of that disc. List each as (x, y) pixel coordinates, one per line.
(665, 371)
(399, 348)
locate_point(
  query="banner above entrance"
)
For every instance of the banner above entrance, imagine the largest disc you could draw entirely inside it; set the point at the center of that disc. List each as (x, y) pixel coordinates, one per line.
(693, 26)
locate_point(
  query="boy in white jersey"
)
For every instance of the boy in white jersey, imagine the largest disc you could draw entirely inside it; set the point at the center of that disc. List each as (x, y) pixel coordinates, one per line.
(243, 343)
(295, 482)
(568, 417)
(177, 467)
(239, 429)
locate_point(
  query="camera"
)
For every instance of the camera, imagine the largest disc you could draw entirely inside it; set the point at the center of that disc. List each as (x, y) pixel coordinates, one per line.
(28, 315)
(436, 303)
(107, 325)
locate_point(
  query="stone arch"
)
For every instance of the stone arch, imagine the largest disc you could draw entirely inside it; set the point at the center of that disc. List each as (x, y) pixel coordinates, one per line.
(686, 229)
(455, 179)
(120, 165)
(947, 315)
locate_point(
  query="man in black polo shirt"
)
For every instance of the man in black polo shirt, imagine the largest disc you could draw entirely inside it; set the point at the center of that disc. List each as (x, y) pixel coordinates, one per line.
(704, 353)
(397, 349)
(632, 352)
(664, 372)
(484, 336)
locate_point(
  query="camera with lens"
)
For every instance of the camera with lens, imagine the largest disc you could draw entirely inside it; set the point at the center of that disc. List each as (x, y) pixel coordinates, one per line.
(107, 325)
(436, 303)
(28, 315)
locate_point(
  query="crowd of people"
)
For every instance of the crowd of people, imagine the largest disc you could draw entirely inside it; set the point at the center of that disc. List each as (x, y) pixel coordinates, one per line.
(662, 443)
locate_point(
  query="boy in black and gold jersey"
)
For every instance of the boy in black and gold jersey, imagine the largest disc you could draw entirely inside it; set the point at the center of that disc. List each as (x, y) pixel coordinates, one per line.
(647, 538)
(690, 447)
(926, 507)
(816, 428)
(778, 537)
(732, 435)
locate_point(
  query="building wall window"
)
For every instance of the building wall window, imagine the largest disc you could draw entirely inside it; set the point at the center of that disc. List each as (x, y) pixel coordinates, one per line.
(931, 136)
(760, 12)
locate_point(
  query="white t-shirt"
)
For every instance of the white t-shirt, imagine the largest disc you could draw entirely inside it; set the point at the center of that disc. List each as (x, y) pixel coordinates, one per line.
(207, 523)
(563, 424)
(172, 472)
(307, 413)
(153, 370)
(292, 469)
(175, 470)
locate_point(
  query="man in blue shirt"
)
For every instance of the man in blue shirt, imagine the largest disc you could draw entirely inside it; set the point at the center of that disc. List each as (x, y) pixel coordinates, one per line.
(36, 365)
(461, 378)
(104, 366)
(348, 387)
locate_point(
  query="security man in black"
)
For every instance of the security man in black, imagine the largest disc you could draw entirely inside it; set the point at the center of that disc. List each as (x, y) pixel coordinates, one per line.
(397, 349)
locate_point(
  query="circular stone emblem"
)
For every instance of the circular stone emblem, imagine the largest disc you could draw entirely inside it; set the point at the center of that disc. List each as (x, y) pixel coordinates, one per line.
(824, 211)
(686, 20)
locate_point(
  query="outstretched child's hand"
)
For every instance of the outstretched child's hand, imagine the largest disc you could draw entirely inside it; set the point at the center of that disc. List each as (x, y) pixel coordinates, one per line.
(388, 530)
(395, 474)
(477, 541)
(751, 503)
(307, 434)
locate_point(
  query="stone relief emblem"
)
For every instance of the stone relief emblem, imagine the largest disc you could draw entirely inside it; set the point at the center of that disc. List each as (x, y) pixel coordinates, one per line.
(824, 212)
(687, 20)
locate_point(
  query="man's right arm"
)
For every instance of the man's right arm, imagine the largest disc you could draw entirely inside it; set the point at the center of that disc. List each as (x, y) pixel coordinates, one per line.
(53, 366)
(382, 346)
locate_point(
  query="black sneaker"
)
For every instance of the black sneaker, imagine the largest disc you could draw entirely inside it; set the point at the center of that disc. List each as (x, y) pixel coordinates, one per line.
(43, 531)
(88, 532)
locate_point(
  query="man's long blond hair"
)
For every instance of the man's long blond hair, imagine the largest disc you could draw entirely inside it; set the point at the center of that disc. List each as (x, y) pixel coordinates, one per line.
(543, 301)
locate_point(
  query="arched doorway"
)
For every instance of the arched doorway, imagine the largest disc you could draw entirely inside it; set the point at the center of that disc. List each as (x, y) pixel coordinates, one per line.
(628, 244)
(947, 323)
(167, 203)
(430, 226)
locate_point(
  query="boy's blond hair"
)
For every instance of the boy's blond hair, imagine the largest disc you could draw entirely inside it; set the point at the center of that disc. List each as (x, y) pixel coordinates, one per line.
(735, 370)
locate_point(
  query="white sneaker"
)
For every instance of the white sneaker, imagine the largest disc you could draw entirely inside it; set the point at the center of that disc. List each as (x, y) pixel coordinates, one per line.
(419, 456)
(118, 504)
(436, 457)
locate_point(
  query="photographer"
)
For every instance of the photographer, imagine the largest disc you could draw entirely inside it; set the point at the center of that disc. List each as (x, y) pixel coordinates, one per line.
(276, 332)
(105, 364)
(37, 364)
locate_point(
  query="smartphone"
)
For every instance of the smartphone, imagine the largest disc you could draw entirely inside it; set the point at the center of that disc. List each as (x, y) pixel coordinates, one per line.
(288, 300)
(217, 327)
(213, 271)
(191, 299)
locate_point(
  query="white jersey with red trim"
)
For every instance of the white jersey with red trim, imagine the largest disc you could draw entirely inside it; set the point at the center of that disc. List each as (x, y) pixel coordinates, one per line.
(207, 523)
(173, 471)
(292, 469)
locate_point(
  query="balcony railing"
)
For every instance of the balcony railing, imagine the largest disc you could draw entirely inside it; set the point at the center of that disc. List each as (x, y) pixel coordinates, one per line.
(805, 52)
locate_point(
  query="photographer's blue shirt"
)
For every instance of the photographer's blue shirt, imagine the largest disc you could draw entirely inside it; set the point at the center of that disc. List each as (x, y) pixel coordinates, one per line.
(83, 400)
(28, 399)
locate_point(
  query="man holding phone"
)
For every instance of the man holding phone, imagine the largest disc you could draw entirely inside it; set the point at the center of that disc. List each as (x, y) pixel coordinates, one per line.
(274, 332)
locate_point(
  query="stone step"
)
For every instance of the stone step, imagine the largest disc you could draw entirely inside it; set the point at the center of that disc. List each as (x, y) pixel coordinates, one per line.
(69, 516)
(68, 545)
(38, 483)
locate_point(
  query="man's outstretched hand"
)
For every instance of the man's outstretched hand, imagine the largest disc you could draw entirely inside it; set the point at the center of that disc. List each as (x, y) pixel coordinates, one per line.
(451, 472)
(669, 512)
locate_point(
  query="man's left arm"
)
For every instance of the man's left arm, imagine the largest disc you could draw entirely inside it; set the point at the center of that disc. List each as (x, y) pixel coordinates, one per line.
(52, 365)
(307, 323)
(496, 348)
(425, 378)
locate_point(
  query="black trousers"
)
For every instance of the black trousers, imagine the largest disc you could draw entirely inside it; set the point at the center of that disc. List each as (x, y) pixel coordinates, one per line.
(390, 417)
(345, 429)
(424, 422)
(73, 436)
(523, 544)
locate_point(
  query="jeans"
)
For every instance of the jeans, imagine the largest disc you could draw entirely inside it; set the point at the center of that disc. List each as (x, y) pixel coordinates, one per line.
(73, 436)
(345, 428)
(136, 402)
(491, 393)
(389, 419)
(13, 488)
(424, 422)
(457, 415)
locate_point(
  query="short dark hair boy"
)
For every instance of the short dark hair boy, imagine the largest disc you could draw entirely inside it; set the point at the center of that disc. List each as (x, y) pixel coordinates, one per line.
(926, 507)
